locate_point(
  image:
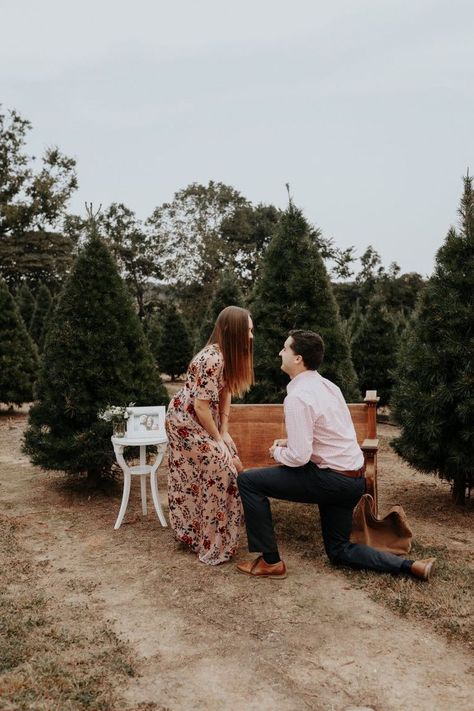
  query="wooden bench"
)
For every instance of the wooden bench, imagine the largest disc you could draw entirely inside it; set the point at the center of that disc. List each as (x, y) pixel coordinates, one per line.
(254, 427)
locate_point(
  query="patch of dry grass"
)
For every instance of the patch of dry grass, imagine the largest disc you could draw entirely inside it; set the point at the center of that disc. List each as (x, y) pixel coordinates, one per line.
(446, 601)
(53, 657)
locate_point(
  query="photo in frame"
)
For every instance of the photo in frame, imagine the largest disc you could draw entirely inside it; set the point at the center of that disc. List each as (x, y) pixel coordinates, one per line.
(143, 421)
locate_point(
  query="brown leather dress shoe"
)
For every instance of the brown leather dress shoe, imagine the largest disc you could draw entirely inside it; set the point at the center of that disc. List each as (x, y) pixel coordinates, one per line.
(423, 568)
(259, 569)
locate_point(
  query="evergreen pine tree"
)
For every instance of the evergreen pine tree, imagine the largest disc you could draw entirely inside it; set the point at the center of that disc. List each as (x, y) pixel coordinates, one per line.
(42, 306)
(374, 350)
(26, 304)
(352, 324)
(175, 349)
(153, 325)
(48, 321)
(433, 399)
(226, 293)
(18, 354)
(95, 355)
(294, 292)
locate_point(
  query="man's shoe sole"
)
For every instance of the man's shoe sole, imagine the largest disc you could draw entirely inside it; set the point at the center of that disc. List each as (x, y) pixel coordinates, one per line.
(272, 577)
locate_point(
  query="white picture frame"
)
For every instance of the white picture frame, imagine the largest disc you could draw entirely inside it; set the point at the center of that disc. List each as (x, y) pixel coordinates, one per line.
(143, 421)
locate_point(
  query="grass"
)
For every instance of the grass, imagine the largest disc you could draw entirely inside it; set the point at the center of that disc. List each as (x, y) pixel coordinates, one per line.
(446, 601)
(53, 657)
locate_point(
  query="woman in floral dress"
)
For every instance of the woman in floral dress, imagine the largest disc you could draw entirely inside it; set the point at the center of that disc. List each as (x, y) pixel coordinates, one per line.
(204, 503)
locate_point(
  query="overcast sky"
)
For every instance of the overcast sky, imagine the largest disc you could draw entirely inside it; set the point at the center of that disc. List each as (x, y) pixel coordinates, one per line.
(365, 106)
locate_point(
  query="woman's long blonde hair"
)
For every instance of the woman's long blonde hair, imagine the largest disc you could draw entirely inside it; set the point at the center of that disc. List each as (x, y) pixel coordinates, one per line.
(231, 333)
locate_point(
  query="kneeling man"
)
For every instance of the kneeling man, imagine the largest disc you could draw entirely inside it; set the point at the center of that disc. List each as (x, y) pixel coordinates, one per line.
(321, 463)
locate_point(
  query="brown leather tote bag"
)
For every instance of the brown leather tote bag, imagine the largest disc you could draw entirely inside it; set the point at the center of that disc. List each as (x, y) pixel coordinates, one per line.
(391, 534)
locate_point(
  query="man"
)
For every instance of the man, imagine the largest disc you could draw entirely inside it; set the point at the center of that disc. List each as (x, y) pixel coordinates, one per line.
(320, 462)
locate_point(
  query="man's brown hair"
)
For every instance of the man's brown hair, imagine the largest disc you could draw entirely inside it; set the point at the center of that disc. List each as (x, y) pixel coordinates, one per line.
(309, 345)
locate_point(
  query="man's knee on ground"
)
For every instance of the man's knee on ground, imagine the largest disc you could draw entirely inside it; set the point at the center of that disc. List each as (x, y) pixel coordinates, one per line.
(335, 551)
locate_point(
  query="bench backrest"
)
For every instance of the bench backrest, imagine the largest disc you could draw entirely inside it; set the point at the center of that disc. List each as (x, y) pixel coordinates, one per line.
(254, 427)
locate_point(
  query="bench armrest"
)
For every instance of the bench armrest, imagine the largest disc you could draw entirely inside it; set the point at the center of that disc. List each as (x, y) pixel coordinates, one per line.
(370, 445)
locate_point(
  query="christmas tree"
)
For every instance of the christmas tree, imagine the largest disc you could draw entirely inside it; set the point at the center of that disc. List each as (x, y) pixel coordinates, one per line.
(40, 314)
(175, 349)
(374, 350)
(226, 293)
(433, 399)
(26, 303)
(95, 355)
(294, 291)
(18, 354)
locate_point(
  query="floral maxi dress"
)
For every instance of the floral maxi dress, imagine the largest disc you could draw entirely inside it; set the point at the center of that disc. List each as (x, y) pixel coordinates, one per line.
(204, 502)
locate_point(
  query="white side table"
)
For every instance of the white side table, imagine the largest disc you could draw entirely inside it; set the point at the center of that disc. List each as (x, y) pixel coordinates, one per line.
(142, 470)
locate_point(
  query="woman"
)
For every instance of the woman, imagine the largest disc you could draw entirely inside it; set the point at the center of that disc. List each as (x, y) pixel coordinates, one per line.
(204, 502)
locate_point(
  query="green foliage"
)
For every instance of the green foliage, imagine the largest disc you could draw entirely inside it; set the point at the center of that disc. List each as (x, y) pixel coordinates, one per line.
(153, 326)
(137, 253)
(48, 321)
(188, 235)
(31, 203)
(95, 354)
(37, 257)
(399, 292)
(175, 349)
(433, 399)
(26, 304)
(18, 355)
(189, 231)
(42, 307)
(352, 325)
(294, 292)
(226, 293)
(247, 233)
(374, 350)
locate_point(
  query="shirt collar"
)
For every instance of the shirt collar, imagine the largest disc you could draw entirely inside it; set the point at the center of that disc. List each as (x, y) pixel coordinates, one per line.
(300, 377)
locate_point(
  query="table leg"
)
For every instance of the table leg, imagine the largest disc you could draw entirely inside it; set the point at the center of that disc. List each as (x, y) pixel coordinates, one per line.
(126, 493)
(143, 489)
(154, 487)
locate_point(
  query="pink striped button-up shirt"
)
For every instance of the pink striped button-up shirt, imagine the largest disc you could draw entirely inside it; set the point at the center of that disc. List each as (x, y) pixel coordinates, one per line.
(318, 425)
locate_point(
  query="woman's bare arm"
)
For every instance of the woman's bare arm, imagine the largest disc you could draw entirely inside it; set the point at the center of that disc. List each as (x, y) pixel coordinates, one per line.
(204, 415)
(224, 410)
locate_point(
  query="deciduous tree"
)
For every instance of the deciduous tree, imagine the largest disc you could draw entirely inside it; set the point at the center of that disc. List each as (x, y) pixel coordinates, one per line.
(31, 206)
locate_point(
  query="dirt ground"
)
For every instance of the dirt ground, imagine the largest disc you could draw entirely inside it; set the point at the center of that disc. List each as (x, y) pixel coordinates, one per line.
(209, 638)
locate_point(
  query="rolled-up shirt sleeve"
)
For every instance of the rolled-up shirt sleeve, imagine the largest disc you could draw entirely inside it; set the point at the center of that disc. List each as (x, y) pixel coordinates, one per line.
(299, 428)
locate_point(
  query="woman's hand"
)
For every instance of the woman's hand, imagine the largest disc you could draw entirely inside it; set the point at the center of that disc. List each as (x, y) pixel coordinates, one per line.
(238, 464)
(229, 442)
(226, 455)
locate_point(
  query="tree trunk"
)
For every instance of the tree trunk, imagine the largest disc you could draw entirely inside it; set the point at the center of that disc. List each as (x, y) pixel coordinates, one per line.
(459, 489)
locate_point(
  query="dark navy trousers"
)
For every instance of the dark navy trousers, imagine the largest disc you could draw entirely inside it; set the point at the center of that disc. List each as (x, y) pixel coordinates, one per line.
(335, 494)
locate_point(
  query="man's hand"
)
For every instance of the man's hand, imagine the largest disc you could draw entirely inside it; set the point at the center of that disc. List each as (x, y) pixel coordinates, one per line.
(280, 443)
